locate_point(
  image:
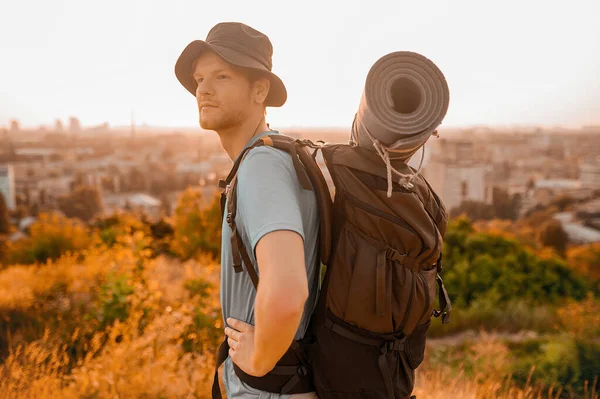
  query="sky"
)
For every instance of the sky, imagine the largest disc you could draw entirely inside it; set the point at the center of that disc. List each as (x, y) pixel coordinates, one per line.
(511, 62)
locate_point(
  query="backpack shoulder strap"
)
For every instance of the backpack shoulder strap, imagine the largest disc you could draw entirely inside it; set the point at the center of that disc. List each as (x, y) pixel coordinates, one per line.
(311, 178)
(238, 250)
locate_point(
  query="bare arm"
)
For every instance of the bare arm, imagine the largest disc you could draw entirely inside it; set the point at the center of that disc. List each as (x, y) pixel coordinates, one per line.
(282, 292)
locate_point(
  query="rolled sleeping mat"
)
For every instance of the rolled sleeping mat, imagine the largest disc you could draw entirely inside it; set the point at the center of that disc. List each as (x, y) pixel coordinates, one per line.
(404, 100)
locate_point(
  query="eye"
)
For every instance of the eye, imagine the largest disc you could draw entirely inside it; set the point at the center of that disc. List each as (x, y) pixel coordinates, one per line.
(199, 80)
(221, 77)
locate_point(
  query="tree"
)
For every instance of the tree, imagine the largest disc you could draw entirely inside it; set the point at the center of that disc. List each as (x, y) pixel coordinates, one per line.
(586, 260)
(553, 235)
(4, 221)
(481, 268)
(474, 210)
(84, 203)
(197, 225)
(165, 204)
(505, 206)
(50, 237)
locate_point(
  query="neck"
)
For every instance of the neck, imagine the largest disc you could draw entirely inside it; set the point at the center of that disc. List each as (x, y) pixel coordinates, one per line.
(234, 139)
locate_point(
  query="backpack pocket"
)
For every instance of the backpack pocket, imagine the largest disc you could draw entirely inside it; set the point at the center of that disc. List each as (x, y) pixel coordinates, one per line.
(343, 367)
(423, 300)
(415, 345)
(371, 287)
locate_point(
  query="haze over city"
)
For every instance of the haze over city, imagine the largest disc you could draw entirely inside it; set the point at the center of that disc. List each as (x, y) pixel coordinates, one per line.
(506, 63)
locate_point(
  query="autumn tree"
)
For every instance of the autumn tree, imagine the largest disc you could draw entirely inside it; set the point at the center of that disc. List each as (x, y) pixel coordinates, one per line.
(552, 234)
(495, 269)
(474, 210)
(505, 206)
(586, 260)
(84, 203)
(4, 221)
(197, 225)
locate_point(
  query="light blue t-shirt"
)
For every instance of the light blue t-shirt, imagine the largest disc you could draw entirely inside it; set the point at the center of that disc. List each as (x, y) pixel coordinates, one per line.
(269, 198)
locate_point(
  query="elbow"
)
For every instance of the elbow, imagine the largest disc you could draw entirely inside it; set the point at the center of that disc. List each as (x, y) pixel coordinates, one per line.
(288, 304)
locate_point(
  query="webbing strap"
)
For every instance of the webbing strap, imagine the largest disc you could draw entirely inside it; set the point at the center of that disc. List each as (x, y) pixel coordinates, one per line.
(241, 250)
(380, 284)
(344, 332)
(385, 372)
(445, 304)
(304, 182)
(297, 372)
(237, 262)
(222, 354)
(385, 347)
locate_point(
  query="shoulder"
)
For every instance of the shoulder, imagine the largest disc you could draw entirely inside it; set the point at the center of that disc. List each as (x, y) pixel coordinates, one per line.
(266, 162)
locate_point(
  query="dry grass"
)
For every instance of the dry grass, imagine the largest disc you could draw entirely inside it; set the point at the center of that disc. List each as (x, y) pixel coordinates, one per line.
(141, 357)
(144, 355)
(441, 383)
(129, 365)
(491, 358)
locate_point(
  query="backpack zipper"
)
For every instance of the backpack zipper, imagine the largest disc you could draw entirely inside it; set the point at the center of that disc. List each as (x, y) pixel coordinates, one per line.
(409, 303)
(371, 209)
(427, 299)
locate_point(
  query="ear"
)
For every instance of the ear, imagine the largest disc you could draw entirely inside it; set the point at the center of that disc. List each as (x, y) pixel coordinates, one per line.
(261, 90)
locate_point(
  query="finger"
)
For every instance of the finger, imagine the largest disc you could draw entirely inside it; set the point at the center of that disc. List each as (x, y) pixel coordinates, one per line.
(233, 344)
(233, 334)
(232, 354)
(237, 324)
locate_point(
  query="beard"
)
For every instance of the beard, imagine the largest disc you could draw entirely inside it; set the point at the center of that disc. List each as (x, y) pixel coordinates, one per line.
(222, 117)
(218, 119)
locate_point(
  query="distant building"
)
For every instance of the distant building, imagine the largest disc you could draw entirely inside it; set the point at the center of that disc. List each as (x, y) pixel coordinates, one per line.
(589, 174)
(457, 173)
(150, 205)
(558, 184)
(589, 211)
(74, 125)
(577, 233)
(58, 126)
(26, 222)
(14, 126)
(457, 183)
(7, 185)
(194, 167)
(55, 186)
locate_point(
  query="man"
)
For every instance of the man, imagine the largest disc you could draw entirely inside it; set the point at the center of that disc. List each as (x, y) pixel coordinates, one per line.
(230, 76)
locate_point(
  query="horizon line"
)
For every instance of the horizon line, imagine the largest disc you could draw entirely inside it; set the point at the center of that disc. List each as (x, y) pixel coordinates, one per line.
(146, 126)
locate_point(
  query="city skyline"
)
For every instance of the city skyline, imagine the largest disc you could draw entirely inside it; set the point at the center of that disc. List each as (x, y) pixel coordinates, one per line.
(65, 126)
(506, 64)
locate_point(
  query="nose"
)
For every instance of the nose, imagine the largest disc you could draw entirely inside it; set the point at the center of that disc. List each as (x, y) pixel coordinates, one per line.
(204, 88)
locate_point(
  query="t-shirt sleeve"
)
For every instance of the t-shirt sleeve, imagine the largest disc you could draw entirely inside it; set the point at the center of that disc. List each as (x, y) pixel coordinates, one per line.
(268, 195)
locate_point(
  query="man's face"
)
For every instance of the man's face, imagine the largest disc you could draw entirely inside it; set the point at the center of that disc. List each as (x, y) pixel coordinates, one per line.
(224, 95)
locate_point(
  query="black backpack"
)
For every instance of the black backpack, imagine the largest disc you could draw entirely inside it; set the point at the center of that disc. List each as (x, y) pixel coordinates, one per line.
(382, 257)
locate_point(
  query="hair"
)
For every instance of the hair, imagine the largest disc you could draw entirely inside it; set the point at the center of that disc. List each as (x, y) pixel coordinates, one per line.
(253, 75)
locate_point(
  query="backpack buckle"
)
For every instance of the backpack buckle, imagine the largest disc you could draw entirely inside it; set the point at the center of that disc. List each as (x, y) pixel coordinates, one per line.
(389, 346)
(302, 371)
(384, 348)
(439, 264)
